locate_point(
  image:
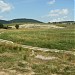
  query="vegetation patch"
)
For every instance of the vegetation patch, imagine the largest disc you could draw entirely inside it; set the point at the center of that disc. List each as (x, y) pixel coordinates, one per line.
(15, 59)
(62, 39)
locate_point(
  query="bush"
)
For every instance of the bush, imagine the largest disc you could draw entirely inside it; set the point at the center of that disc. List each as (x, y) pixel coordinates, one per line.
(1, 25)
(17, 26)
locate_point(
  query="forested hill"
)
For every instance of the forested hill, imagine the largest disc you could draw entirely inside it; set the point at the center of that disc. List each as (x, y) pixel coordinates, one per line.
(23, 20)
(4, 21)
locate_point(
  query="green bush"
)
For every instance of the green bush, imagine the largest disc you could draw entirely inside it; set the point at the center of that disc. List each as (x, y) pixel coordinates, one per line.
(17, 26)
(1, 25)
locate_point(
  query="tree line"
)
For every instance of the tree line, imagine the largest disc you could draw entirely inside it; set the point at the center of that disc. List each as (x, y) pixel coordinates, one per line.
(7, 27)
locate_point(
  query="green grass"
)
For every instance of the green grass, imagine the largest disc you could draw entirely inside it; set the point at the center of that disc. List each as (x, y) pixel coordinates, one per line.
(13, 57)
(45, 38)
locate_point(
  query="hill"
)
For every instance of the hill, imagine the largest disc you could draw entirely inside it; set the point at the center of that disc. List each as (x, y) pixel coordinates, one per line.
(22, 20)
(4, 21)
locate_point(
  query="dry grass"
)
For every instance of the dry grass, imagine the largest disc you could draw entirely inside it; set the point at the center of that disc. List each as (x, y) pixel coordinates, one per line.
(16, 60)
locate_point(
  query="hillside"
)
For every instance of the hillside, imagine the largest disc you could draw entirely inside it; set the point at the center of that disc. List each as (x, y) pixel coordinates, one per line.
(4, 21)
(22, 20)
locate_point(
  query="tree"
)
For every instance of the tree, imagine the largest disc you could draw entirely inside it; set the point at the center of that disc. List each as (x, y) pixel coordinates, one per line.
(1, 25)
(17, 26)
(48, 22)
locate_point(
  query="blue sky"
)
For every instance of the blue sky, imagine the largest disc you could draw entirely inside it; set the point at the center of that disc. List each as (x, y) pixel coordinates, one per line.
(43, 10)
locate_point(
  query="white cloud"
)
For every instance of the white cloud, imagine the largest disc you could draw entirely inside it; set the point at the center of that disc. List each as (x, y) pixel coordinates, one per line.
(51, 2)
(4, 6)
(59, 19)
(58, 12)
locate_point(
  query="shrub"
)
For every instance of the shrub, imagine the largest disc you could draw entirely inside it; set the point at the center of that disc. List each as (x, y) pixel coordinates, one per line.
(1, 25)
(17, 26)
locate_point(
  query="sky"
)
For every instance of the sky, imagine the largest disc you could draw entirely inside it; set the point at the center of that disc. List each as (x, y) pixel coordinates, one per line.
(42, 10)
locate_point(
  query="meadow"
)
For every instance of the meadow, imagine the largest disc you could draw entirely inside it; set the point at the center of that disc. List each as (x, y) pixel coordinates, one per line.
(52, 38)
(15, 60)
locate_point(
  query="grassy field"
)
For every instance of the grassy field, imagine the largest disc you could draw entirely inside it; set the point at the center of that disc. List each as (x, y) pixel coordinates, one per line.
(62, 39)
(15, 60)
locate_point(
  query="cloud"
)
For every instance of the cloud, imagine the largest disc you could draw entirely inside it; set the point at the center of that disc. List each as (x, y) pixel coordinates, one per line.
(57, 15)
(51, 2)
(59, 19)
(4, 7)
(58, 12)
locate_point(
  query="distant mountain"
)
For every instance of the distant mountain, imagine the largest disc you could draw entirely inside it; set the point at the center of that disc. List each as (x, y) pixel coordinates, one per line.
(22, 20)
(4, 21)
